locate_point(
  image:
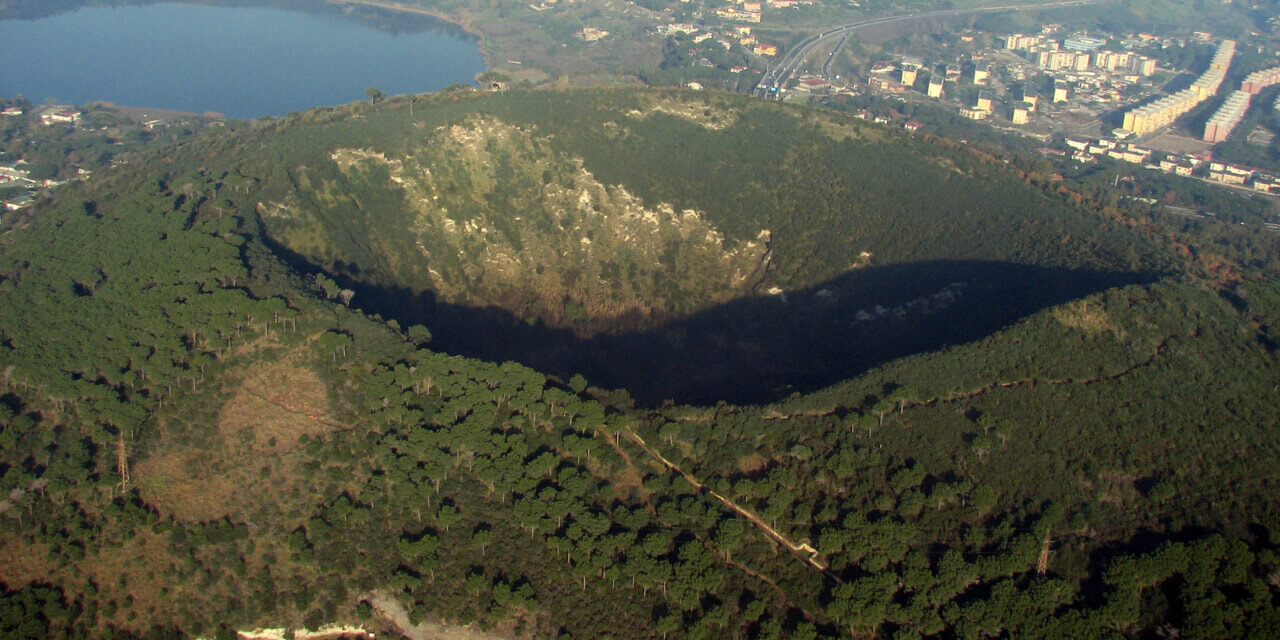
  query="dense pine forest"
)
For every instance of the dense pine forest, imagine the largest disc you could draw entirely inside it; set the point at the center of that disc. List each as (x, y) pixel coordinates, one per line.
(628, 364)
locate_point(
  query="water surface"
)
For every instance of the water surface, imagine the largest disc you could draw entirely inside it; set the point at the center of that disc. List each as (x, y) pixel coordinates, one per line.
(240, 61)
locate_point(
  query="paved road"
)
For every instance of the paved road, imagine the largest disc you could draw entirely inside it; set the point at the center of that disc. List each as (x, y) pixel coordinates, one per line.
(826, 66)
(777, 76)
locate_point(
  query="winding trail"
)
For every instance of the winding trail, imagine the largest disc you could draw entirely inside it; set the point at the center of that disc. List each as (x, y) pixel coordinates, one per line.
(297, 412)
(1160, 350)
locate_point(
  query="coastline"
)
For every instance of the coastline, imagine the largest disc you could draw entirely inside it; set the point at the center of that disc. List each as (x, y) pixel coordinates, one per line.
(462, 23)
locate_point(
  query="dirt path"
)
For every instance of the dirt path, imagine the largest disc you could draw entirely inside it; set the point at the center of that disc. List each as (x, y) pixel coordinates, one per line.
(391, 608)
(806, 550)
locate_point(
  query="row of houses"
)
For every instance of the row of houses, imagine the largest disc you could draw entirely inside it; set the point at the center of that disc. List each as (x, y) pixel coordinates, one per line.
(739, 34)
(751, 11)
(909, 125)
(1087, 150)
(1150, 117)
(1078, 53)
(1245, 176)
(1102, 60)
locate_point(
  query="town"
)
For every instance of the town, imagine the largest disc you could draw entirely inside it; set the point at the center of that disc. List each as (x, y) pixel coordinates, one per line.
(1163, 102)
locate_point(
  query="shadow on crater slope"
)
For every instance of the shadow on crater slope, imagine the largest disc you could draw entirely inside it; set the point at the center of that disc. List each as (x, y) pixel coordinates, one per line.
(759, 349)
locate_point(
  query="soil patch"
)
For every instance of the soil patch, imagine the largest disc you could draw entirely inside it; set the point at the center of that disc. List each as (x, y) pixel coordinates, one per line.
(391, 608)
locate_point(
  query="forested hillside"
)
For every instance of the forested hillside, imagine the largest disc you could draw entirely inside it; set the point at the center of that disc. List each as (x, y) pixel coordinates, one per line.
(228, 398)
(562, 233)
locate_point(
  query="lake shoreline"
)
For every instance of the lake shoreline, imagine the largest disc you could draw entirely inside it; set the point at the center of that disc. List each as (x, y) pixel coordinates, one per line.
(139, 113)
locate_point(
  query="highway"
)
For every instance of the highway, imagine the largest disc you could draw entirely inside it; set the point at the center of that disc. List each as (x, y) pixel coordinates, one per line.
(776, 77)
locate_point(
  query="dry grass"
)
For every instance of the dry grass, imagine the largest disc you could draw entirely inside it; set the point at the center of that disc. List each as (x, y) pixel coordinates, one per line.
(752, 462)
(135, 571)
(253, 455)
(20, 563)
(1090, 318)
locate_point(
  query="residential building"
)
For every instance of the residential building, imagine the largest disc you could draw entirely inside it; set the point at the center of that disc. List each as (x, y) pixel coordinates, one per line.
(912, 62)
(885, 84)
(19, 201)
(1259, 80)
(64, 116)
(883, 66)
(1060, 60)
(1020, 113)
(813, 85)
(1220, 125)
(1170, 165)
(985, 101)
(1081, 42)
(1226, 178)
(981, 72)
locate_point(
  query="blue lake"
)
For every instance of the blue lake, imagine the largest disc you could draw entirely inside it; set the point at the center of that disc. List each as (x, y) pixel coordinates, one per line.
(241, 62)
